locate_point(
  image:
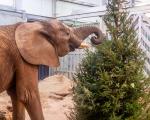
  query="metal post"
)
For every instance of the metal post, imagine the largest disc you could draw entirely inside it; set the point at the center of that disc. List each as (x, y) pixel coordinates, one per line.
(140, 27)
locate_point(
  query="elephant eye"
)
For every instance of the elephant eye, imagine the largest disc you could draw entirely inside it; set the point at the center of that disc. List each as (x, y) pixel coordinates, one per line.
(67, 33)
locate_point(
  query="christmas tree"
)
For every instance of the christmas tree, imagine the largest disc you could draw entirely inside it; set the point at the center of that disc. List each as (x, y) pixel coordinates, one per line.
(110, 82)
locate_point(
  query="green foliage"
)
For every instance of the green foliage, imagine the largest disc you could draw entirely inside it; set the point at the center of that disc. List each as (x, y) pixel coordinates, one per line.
(110, 83)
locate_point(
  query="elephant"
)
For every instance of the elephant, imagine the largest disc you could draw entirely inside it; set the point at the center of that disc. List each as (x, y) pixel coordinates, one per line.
(26, 45)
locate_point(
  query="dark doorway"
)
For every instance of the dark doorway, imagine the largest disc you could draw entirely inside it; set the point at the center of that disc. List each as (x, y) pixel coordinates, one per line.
(43, 72)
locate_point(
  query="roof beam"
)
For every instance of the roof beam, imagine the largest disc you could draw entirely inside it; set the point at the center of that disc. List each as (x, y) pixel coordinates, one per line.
(79, 3)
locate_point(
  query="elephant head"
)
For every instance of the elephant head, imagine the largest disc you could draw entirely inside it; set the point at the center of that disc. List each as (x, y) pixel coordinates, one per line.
(43, 42)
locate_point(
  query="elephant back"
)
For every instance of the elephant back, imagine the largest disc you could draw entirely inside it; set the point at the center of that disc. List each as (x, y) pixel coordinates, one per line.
(7, 39)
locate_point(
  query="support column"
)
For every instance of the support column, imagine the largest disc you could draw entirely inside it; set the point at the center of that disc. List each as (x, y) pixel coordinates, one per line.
(18, 5)
(54, 8)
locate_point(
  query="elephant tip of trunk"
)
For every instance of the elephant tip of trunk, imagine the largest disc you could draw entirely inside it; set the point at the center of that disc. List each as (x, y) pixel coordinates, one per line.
(97, 41)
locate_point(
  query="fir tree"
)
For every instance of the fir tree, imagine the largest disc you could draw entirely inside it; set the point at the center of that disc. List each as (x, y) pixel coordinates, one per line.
(110, 83)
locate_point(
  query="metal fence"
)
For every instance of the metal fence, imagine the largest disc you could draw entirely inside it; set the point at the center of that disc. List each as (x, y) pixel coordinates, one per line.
(68, 65)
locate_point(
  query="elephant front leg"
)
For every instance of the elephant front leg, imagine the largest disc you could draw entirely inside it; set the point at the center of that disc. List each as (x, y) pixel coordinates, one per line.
(31, 100)
(18, 107)
(27, 90)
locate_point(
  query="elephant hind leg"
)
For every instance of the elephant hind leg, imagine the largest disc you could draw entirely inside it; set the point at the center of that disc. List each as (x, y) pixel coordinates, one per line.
(18, 107)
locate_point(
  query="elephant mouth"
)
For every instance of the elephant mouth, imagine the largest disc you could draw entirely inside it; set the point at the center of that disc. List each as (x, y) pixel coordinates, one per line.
(71, 48)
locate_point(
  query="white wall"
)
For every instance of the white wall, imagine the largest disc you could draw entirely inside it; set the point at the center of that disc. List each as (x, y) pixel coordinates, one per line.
(96, 2)
(38, 7)
(9, 19)
(45, 8)
(7, 2)
(66, 8)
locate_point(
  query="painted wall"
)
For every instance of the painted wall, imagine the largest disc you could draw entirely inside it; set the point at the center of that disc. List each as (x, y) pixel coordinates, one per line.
(7, 2)
(96, 2)
(6, 19)
(38, 7)
(46, 8)
(66, 8)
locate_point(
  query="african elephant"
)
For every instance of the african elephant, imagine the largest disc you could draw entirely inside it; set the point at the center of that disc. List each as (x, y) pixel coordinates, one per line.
(24, 46)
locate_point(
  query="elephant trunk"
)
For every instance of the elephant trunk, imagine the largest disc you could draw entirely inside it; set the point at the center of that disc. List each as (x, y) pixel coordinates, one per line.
(84, 32)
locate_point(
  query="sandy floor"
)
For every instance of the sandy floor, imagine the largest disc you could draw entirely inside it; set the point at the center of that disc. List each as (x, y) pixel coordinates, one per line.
(56, 98)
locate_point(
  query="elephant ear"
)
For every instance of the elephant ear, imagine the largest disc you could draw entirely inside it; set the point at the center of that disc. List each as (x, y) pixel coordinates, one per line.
(34, 47)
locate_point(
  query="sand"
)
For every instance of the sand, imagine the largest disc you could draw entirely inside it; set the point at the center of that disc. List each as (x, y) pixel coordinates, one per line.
(56, 99)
